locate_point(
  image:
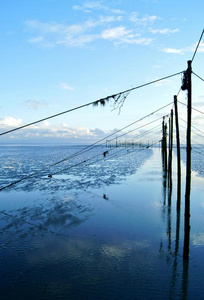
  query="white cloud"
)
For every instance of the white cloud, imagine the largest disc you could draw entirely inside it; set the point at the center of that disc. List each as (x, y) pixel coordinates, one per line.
(50, 34)
(138, 41)
(65, 131)
(143, 21)
(157, 66)
(44, 131)
(36, 40)
(115, 33)
(187, 49)
(89, 7)
(34, 104)
(44, 27)
(174, 51)
(122, 35)
(79, 41)
(164, 31)
(197, 112)
(77, 36)
(8, 121)
(46, 123)
(65, 86)
(108, 19)
(200, 48)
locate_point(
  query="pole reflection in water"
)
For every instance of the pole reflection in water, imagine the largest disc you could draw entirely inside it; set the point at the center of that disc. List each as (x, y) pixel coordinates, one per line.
(175, 256)
(99, 242)
(185, 278)
(176, 253)
(169, 220)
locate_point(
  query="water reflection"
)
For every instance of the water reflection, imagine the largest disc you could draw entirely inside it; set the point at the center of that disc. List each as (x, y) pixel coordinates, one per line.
(173, 255)
(54, 216)
(198, 239)
(101, 244)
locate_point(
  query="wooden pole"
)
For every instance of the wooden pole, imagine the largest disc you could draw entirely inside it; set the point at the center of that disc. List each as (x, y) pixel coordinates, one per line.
(188, 165)
(178, 155)
(169, 159)
(188, 147)
(172, 133)
(164, 145)
(163, 142)
(165, 148)
(170, 150)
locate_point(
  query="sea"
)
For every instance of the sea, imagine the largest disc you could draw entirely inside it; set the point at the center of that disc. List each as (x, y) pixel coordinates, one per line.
(91, 222)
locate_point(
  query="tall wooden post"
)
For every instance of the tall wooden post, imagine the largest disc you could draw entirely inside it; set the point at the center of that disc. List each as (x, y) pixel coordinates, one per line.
(178, 155)
(188, 147)
(165, 147)
(163, 141)
(187, 86)
(170, 150)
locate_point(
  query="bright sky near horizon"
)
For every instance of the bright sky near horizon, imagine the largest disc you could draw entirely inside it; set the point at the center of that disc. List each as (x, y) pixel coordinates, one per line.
(60, 54)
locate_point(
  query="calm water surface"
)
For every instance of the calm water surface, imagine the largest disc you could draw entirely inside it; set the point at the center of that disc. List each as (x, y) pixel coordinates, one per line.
(104, 229)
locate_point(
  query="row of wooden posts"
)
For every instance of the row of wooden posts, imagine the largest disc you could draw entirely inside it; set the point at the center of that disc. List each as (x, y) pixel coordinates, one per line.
(167, 157)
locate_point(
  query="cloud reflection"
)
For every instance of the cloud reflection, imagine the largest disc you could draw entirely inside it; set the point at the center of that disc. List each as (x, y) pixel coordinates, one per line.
(52, 216)
(198, 239)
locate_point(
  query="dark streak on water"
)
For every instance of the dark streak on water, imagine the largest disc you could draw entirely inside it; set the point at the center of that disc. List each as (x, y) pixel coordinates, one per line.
(101, 232)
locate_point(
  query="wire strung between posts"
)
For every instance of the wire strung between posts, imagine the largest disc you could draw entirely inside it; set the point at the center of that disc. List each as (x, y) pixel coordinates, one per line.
(197, 45)
(192, 107)
(113, 155)
(198, 76)
(101, 101)
(33, 174)
(195, 128)
(85, 161)
(90, 147)
(198, 110)
(178, 92)
(136, 129)
(84, 150)
(202, 136)
(47, 167)
(195, 143)
(94, 145)
(140, 135)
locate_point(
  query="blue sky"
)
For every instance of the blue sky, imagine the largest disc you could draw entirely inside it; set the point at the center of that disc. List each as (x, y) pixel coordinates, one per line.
(59, 54)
